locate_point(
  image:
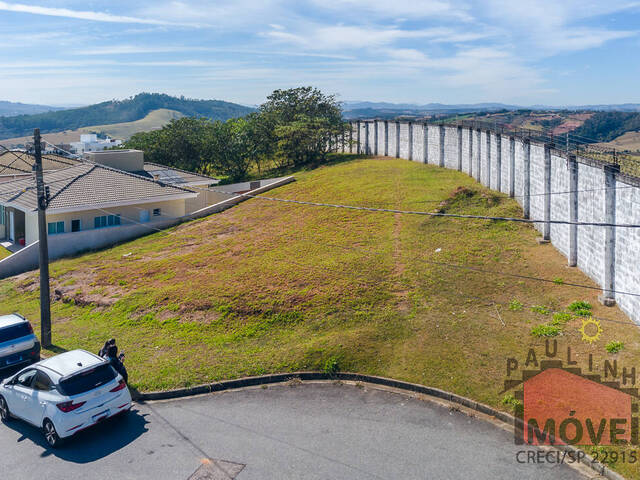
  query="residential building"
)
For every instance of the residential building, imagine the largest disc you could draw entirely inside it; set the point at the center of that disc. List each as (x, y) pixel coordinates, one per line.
(90, 142)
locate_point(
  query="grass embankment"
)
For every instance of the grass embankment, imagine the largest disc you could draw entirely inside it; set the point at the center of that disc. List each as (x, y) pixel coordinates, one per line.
(273, 287)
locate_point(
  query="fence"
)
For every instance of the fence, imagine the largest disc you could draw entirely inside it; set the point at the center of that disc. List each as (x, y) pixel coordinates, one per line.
(550, 180)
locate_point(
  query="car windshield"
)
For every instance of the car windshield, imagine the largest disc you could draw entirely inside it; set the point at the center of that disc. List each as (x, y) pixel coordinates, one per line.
(14, 331)
(88, 380)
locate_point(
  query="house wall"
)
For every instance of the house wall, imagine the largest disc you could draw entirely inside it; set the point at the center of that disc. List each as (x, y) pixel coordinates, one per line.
(129, 214)
(205, 198)
(609, 255)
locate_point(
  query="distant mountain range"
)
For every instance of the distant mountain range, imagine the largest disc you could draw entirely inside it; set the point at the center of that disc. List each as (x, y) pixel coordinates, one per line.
(116, 111)
(11, 108)
(384, 109)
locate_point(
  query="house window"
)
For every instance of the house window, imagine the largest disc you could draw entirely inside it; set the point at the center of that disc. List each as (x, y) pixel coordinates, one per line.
(1, 214)
(55, 227)
(144, 216)
(156, 212)
(75, 225)
(106, 221)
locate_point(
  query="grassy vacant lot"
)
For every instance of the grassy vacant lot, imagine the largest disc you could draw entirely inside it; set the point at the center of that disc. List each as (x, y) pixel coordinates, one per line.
(272, 287)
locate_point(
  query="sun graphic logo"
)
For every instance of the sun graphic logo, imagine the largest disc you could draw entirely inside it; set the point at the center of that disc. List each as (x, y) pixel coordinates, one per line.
(590, 330)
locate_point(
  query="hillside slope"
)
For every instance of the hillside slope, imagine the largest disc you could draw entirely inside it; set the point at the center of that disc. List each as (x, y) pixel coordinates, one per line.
(155, 119)
(115, 111)
(275, 287)
(17, 108)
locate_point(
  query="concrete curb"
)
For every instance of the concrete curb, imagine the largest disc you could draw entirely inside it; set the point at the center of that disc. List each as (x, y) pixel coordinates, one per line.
(587, 460)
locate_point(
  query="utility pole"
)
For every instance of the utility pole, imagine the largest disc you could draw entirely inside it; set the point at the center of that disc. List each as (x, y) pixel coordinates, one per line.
(43, 200)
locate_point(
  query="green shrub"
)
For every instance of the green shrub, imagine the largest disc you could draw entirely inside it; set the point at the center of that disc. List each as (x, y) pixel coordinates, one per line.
(614, 346)
(332, 365)
(509, 399)
(560, 318)
(579, 305)
(558, 281)
(545, 330)
(540, 309)
(515, 305)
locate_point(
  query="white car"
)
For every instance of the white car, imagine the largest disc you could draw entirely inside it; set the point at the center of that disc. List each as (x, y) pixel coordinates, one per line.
(64, 394)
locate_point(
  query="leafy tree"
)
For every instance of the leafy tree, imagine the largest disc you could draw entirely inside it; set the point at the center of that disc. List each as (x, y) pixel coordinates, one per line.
(228, 148)
(178, 144)
(304, 121)
(294, 127)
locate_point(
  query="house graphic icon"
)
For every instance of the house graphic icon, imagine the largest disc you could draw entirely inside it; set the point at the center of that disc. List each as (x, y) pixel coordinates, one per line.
(561, 405)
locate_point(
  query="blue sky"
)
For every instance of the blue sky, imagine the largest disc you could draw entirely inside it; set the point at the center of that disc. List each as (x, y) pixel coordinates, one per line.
(559, 52)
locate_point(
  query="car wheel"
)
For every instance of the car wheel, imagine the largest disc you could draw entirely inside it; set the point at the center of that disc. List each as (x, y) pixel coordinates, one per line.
(50, 434)
(5, 415)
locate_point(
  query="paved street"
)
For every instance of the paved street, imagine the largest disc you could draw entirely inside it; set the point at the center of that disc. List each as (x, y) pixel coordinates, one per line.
(311, 431)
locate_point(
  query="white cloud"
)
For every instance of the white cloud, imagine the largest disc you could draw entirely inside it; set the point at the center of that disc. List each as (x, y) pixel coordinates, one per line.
(401, 8)
(349, 37)
(551, 27)
(77, 14)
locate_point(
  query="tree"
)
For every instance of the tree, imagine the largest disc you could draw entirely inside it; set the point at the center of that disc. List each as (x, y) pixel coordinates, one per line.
(304, 122)
(178, 144)
(228, 148)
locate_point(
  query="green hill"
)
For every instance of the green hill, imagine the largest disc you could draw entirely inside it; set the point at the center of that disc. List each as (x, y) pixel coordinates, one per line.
(154, 120)
(606, 126)
(117, 111)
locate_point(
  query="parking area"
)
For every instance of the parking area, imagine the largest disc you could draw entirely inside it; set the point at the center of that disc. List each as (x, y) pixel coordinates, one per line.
(311, 431)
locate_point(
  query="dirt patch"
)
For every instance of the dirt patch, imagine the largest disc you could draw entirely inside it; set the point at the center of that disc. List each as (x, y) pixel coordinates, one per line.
(83, 300)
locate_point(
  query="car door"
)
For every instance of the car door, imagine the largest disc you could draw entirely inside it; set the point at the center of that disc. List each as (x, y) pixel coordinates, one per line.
(22, 394)
(44, 394)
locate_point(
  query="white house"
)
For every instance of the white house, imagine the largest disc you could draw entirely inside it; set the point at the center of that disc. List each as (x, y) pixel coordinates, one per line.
(90, 142)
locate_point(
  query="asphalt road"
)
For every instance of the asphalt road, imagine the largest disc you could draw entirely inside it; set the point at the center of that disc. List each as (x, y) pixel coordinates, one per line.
(309, 431)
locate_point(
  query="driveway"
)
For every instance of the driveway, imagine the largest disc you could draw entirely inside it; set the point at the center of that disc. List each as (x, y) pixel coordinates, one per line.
(308, 431)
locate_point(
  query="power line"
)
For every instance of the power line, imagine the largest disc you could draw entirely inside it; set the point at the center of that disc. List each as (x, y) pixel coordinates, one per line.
(436, 214)
(63, 150)
(362, 250)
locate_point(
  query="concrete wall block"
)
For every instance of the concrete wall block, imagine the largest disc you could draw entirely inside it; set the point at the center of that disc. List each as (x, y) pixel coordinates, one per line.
(590, 209)
(404, 141)
(496, 156)
(560, 203)
(536, 202)
(466, 161)
(392, 139)
(381, 138)
(434, 144)
(372, 138)
(484, 160)
(504, 164)
(519, 171)
(418, 142)
(627, 278)
(363, 137)
(451, 148)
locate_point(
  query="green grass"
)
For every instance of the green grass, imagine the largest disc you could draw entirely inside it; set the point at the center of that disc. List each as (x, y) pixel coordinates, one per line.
(274, 287)
(4, 253)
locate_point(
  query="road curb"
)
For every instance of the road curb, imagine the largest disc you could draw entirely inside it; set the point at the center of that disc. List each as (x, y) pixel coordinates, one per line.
(587, 460)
